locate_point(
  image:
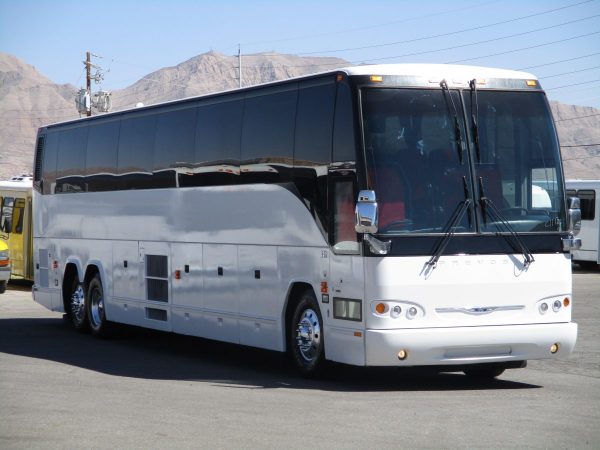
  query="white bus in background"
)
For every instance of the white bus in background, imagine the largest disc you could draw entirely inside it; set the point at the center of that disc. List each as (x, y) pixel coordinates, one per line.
(588, 192)
(375, 216)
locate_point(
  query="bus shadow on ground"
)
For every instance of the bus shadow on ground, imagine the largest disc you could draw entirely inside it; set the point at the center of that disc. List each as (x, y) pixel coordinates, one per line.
(146, 354)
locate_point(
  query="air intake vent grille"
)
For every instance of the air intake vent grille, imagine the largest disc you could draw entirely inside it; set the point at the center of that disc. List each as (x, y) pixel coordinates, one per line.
(157, 278)
(39, 156)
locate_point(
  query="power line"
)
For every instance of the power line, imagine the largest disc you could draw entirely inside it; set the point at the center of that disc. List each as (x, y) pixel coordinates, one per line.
(580, 145)
(574, 84)
(561, 61)
(451, 33)
(569, 73)
(525, 48)
(492, 40)
(352, 30)
(579, 117)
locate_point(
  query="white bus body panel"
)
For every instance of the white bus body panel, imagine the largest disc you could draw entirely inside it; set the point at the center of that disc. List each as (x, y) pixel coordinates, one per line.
(243, 250)
(590, 229)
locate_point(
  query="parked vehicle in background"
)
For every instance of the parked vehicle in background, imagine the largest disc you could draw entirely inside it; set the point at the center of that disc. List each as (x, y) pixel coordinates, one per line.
(4, 265)
(588, 192)
(15, 224)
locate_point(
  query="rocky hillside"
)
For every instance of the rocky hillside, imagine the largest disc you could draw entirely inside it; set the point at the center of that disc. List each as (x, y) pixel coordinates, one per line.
(578, 126)
(29, 100)
(213, 72)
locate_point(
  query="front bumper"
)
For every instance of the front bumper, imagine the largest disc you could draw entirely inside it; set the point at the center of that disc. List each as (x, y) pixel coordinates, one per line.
(469, 345)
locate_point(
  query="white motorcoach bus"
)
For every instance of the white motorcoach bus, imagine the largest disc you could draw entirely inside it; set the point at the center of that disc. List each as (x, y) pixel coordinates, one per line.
(588, 192)
(374, 216)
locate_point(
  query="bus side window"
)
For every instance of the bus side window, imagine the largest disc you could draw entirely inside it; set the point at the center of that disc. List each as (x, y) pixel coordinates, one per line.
(344, 235)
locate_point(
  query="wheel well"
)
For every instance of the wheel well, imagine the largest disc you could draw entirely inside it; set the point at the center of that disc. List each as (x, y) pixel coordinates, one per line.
(69, 276)
(293, 298)
(90, 273)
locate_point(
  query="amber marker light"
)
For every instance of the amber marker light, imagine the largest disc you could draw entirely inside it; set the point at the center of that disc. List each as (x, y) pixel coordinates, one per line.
(554, 348)
(324, 287)
(531, 83)
(402, 355)
(380, 308)
(566, 302)
(339, 77)
(376, 78)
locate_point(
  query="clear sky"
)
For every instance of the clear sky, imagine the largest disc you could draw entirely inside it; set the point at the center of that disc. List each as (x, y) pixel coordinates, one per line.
(557, 40)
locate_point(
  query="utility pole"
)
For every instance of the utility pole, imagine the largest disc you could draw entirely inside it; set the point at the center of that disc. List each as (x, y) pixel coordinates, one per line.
(88, 78)
(85, 100)
(240, 64)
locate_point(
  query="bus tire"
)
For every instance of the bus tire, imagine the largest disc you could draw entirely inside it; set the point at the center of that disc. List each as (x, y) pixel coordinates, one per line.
(75, 302)
(99, 326)
(306, 343)
(3, 284)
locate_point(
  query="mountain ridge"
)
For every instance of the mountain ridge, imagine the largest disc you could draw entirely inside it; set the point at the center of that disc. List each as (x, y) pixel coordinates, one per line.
(29, 100)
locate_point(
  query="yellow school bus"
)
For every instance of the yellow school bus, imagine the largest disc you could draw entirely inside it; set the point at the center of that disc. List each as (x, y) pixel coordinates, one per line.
(15, 224)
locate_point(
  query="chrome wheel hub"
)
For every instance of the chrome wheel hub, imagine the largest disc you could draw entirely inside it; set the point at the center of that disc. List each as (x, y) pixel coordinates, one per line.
(78, 304)
(96, 307)
(308, 335)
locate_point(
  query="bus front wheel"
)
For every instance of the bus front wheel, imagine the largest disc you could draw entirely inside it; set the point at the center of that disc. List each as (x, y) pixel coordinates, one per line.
(306, 335)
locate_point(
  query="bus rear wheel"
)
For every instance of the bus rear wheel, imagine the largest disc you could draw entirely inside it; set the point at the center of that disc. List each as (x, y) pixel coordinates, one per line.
(3, 286)
(76, 309)
(95, 308)
(307, 346)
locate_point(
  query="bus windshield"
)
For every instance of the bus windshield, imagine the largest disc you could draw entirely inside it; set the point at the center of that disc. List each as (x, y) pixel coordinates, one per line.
(518, 160)
(415, 163)
(418, 160)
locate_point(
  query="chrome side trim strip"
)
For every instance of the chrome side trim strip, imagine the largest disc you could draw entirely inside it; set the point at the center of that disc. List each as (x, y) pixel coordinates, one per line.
(480, 310)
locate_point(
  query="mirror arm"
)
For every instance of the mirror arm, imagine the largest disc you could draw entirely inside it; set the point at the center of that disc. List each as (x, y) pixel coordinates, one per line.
(378, 247)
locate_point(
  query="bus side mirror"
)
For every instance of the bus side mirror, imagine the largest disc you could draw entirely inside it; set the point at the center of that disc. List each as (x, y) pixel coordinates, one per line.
(574, 215)
(366, 213)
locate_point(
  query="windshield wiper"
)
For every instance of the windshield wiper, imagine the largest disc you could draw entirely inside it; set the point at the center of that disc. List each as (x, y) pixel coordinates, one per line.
(450, 227)
(475, 117)
(454, 113)
(489, 209)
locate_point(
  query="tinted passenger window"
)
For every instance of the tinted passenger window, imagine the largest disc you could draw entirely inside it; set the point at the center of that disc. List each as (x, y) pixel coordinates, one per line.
(49, 162)
(314, 123)
(268, 135)
(312, 149)
(343, 132)
(175, 135)
(101, 159)
(70, 166)
(136, 149)
(217, 155)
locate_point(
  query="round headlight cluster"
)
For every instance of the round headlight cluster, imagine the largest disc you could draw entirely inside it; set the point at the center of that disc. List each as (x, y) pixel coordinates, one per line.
(557, 305)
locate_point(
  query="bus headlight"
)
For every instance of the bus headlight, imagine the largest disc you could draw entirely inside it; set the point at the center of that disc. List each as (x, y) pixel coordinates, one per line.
(396, 309)
(556, 305)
